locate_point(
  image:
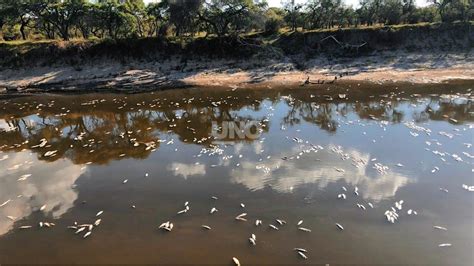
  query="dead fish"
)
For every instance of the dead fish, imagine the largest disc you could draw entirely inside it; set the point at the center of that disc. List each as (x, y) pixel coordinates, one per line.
(341, 196)
(213, 210)
(301, 250)
(182, 211)
(97, 222)
(236, 261)
(11, 218)
(5, 203)
(252, 241)
(80, 230)
(371, 205)
(87, 234)
(242, 205)
(273, 227)
(214, 198)
(339, 226)
(43, 208)
(304, 229)
(440, 228)
(258, 222)
(26, 227)
(302, 255)
(281, 222)
(99, 213)
(300, 222)
(125, 181)
(445, 245)
(241, 216)
(206, 227)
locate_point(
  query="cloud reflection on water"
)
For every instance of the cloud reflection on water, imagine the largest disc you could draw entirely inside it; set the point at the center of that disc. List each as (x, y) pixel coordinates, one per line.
(50, 184)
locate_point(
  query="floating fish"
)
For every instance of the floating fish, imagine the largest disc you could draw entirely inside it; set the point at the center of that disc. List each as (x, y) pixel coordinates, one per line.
(273, 227)
(87, 234)
(99, 213)
(445, 245)
(80, 230)
(440, 227)
(236, 261)
(339, 226)
(206, 227)
(5, 203)
(301, 250)
(300, 222)
(26, 227)
(304, 229)
(213, 210)
(302, 255)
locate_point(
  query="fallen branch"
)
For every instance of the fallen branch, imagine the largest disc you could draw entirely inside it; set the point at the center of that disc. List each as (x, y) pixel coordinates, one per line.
(342, 44)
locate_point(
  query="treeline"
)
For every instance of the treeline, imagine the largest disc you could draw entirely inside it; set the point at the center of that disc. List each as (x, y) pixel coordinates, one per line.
(66, 19)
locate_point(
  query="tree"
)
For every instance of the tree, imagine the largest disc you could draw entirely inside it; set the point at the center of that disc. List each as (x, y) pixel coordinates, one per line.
(224, 16)
(451, 10)
(391, 12)
(292, 13)
(63, 15)
(157, 16)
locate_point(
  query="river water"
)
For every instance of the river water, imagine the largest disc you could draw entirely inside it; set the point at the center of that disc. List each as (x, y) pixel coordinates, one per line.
(137, 160)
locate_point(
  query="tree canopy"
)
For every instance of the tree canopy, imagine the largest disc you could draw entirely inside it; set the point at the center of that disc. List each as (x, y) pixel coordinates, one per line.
(65, 19)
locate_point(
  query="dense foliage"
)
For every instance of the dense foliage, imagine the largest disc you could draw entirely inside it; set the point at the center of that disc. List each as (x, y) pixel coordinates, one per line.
(50, 19)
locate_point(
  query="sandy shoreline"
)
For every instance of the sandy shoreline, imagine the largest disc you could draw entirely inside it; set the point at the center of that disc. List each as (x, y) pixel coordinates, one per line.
(413, 68)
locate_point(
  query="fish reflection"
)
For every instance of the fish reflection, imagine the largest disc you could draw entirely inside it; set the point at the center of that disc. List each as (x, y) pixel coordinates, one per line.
(320, 168)
(54, 190)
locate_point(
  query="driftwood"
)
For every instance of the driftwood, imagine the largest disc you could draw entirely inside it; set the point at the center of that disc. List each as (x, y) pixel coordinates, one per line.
(342, 44)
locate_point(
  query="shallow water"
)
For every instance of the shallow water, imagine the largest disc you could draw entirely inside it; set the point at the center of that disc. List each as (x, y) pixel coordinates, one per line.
(392, 143)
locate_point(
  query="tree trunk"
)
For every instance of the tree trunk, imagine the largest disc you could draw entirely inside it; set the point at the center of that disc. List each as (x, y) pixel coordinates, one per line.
(22, 31)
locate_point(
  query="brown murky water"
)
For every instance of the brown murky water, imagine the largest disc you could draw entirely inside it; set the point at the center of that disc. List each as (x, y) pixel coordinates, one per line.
(65, 158)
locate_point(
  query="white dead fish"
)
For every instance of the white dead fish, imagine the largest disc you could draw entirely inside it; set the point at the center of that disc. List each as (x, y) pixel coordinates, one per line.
(445, 245)
(341, 196)
(5, 203)
(302, 255)
(97, 222)
(242, 205)
(371, 205)
(87, 234)
(304, 229)
(99, 213)
(241, 216)
(273, 227)
(43, 208)
(11, 218)
(125, 181)
(258, 222)
(339, 226)
(26, 227)
(214, 198)
(213, 210)
(236, 261)
(301, 250)
(300, 222)
(206, 227)
(440, 227)
(80, 230)
(182, 211)
(281, 222)
(251, 240)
